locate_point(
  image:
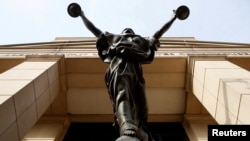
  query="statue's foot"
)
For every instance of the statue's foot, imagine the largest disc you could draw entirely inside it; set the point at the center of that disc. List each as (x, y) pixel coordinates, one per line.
(128, 129)
(129, 132)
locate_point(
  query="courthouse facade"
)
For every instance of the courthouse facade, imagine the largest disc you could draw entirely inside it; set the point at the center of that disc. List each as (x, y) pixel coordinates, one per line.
(46, 86)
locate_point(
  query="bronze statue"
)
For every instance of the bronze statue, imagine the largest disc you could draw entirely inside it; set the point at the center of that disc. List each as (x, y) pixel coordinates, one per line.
(125, 53)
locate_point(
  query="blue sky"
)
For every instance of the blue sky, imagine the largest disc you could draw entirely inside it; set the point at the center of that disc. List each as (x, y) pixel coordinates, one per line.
(28, 21)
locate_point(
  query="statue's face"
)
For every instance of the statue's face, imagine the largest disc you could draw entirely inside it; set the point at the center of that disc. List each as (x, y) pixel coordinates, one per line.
(128, 31)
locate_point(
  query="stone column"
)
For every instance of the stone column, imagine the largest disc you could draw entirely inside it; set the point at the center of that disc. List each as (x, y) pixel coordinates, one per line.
(224, 90)
(26, 91)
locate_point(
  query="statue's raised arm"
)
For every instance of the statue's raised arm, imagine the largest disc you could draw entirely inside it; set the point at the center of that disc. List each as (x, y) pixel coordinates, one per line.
(181, 13)
(74, 10)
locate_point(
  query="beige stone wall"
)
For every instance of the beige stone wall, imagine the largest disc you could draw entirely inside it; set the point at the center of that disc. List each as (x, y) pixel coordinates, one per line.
(165, 83)
(221, 87)
(26, 92)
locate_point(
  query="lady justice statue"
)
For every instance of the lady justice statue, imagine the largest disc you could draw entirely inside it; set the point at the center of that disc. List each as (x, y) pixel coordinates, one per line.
(125, 53)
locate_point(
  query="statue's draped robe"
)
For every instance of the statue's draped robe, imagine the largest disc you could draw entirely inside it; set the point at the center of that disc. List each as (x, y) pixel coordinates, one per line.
(124, 78)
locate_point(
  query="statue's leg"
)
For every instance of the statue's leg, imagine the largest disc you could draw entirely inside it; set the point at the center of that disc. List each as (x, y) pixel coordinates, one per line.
(142, 110)
(125, 111)
(132, 109)
(127, 92)
(140, 101)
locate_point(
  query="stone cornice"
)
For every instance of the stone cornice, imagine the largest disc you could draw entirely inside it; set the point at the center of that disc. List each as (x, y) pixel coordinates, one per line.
(85, 47)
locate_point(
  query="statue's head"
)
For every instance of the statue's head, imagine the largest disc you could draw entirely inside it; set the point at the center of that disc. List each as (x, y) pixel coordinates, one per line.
(128, 31)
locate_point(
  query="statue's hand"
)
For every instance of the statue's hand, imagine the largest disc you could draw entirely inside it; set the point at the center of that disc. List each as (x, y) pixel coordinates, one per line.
(182, 12)
(74, 10)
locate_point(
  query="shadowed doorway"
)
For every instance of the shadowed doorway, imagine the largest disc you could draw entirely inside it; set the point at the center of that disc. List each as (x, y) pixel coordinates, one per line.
(167, 131)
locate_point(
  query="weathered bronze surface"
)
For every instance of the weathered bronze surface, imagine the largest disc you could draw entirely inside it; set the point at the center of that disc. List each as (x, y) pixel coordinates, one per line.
(125, 53)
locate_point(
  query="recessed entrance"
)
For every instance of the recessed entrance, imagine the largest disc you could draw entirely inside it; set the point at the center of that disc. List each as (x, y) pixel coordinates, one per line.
(166, 131)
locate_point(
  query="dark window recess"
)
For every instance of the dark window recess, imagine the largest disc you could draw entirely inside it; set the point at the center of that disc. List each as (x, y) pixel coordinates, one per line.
(173, 131)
